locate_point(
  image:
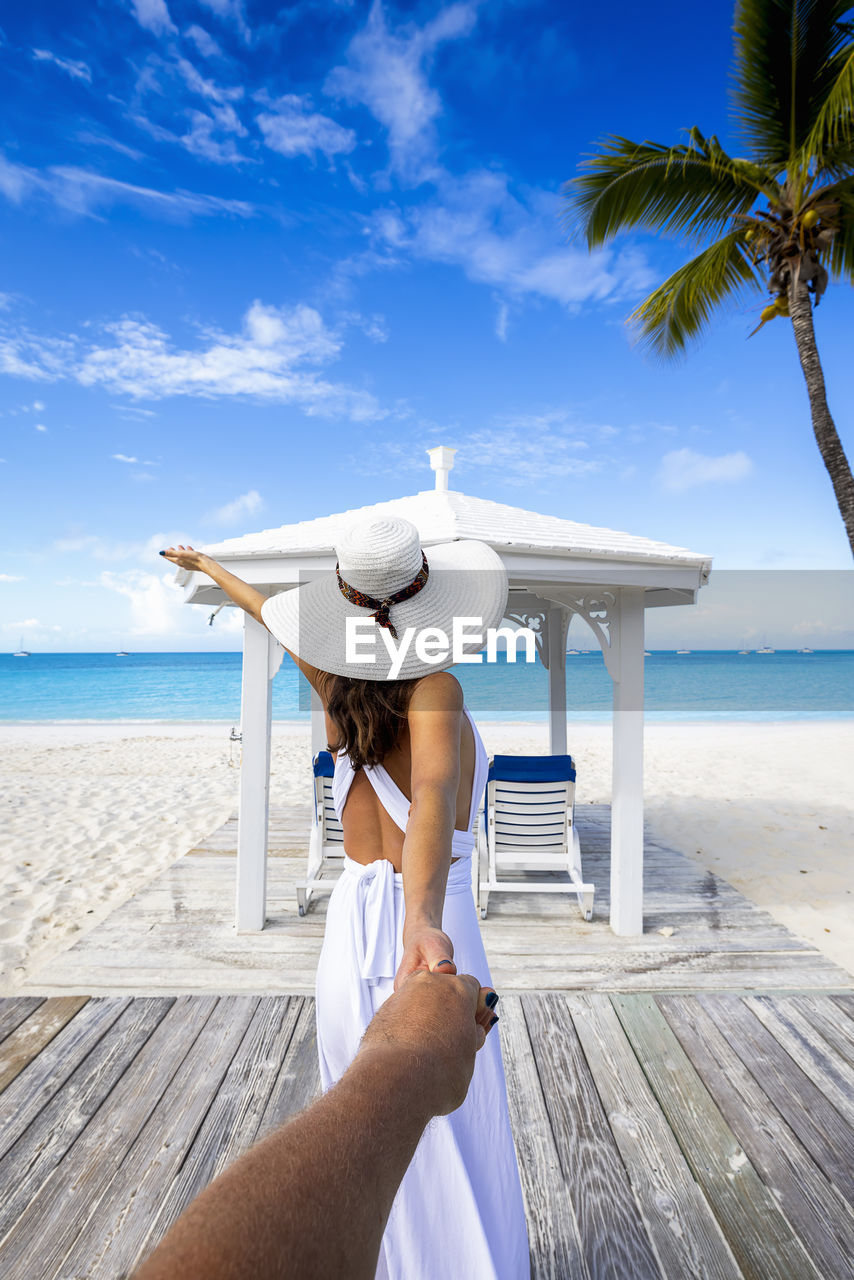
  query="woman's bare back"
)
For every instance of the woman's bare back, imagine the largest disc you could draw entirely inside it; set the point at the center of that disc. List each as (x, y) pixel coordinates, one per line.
(369, 832)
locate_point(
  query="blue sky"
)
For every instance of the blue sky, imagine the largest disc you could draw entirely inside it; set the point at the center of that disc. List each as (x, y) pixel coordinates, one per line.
(257, 258)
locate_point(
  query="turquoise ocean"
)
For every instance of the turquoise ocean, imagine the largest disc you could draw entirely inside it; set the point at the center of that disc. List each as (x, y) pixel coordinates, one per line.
(702, 685)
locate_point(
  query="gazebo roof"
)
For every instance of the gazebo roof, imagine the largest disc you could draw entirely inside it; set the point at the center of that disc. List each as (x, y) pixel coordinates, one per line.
(446, 515)
(535, 548)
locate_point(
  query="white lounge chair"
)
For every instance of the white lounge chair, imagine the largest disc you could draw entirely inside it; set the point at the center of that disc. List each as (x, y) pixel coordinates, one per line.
(528, 824)
(326, 846)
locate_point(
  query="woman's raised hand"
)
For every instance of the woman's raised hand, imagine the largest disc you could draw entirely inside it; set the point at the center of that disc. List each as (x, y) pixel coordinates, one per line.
(185, 557)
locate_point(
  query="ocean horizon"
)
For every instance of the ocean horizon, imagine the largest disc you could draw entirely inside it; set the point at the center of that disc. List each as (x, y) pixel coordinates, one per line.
(702, 684)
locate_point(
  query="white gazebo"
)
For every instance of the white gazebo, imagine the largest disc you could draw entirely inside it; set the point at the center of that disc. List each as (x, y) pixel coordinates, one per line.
(556, 568)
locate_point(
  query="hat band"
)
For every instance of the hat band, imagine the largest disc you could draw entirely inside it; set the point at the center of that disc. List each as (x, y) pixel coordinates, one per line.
(381, 607)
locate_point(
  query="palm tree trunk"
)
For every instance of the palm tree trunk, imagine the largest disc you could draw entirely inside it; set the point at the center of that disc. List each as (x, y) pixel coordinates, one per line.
(827, 437)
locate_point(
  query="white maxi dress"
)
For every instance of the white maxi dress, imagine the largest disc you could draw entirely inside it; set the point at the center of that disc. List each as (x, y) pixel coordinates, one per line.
(459, 1210)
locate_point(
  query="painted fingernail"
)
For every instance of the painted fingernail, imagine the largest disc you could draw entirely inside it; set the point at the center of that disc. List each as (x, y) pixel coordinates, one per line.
(493, 1020)
(492, 1000)
(163, 553)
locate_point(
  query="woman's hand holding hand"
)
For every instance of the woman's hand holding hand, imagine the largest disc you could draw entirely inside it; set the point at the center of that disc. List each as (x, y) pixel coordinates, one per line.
(187, 558)
(425, 947)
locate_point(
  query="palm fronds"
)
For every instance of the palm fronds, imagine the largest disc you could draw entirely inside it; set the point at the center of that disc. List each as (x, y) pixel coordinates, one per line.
(784, 71)
(696, 188)
(681, 308)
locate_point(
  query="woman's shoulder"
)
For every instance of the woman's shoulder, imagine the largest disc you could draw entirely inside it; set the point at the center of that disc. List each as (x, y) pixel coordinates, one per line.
(438, 691)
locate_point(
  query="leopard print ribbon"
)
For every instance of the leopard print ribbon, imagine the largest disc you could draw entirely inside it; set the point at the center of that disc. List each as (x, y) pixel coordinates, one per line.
(381, 607)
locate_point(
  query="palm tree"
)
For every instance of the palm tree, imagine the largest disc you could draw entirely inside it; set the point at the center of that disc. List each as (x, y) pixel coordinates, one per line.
(780, 221)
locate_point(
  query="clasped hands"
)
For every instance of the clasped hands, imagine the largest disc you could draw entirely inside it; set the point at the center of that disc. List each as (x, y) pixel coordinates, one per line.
(426, 947)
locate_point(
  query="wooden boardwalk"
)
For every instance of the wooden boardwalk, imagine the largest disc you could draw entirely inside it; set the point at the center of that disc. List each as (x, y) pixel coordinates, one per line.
(699, 1135)
(177, 935)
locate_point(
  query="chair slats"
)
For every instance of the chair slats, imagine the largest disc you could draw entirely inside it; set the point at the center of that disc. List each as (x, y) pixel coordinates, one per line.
(326, 845)
(527, 826)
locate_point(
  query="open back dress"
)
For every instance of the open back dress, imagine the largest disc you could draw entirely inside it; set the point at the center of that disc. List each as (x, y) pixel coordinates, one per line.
(459, 1209)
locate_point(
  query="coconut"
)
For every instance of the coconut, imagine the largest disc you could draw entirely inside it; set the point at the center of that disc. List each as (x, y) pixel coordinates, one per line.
(809, 219)
(770, 312)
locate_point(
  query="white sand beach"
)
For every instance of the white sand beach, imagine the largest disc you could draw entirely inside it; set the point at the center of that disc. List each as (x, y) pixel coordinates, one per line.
(91, 812)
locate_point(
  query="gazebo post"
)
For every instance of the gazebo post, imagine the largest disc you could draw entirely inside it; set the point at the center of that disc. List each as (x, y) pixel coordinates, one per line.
(557, 620)
(255, 726)
(627, 764)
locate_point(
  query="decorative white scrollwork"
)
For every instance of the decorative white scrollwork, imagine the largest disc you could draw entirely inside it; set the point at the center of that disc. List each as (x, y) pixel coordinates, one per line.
(598, 611)
(536, 622)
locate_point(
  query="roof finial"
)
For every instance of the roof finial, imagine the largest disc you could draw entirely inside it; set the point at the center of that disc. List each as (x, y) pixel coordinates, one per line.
(441, 460)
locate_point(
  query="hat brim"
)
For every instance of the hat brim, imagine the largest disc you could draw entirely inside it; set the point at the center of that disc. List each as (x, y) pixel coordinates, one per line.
(467, 580)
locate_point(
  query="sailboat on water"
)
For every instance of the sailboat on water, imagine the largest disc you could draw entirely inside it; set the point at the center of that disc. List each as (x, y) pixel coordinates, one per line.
(21, 651)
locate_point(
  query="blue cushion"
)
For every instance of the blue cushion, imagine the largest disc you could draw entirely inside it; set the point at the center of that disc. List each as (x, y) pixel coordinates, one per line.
(324, 765)
(532, 769)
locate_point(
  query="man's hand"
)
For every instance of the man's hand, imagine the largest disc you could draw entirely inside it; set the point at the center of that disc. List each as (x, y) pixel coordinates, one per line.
(187, 558)
(438, 1020)
(428, 949)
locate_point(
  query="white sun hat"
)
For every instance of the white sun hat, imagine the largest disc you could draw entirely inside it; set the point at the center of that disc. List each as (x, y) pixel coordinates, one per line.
(379, 561)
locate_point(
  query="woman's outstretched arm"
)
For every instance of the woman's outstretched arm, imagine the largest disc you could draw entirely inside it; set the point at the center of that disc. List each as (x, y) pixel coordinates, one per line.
(435, 719)
(236, 589)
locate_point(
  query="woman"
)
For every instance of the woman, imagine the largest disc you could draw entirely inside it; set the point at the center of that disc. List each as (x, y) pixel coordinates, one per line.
(410, 769)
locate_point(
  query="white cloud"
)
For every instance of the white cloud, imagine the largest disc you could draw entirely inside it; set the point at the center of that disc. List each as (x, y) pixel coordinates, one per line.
(386, 72)
(40, 426)
(203, 41)
(23, 624)
(245, 505)
(211, 133)
(512, 243)
(9, 577)
(154, 16)
(292, 128)
(38, 405)
(156, 601)
(77, 70)
(525, 449)
(272, 358)
(83, 192)
(685, 469)
(102, 140)
(231, 11)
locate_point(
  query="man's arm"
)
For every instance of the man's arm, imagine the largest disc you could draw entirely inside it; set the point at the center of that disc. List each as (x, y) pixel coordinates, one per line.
(312, 1200)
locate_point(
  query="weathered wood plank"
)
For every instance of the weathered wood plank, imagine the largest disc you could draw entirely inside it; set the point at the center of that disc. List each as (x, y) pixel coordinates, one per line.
(44, 1141)
(828, 1072)
(614, 1241)
(553, 1234)
(819, 1125)
(40, 1239)
(30, 1037)
(14, 1011)
(684, 1232)
(114, 1235)
(830, 1021)
(815, 1210)
(231, 1124)
(299, 1079)
(761, 1238)
(846, 1004)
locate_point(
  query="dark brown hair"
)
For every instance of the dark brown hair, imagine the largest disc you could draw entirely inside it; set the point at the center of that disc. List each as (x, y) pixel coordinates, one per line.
(369, 715)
